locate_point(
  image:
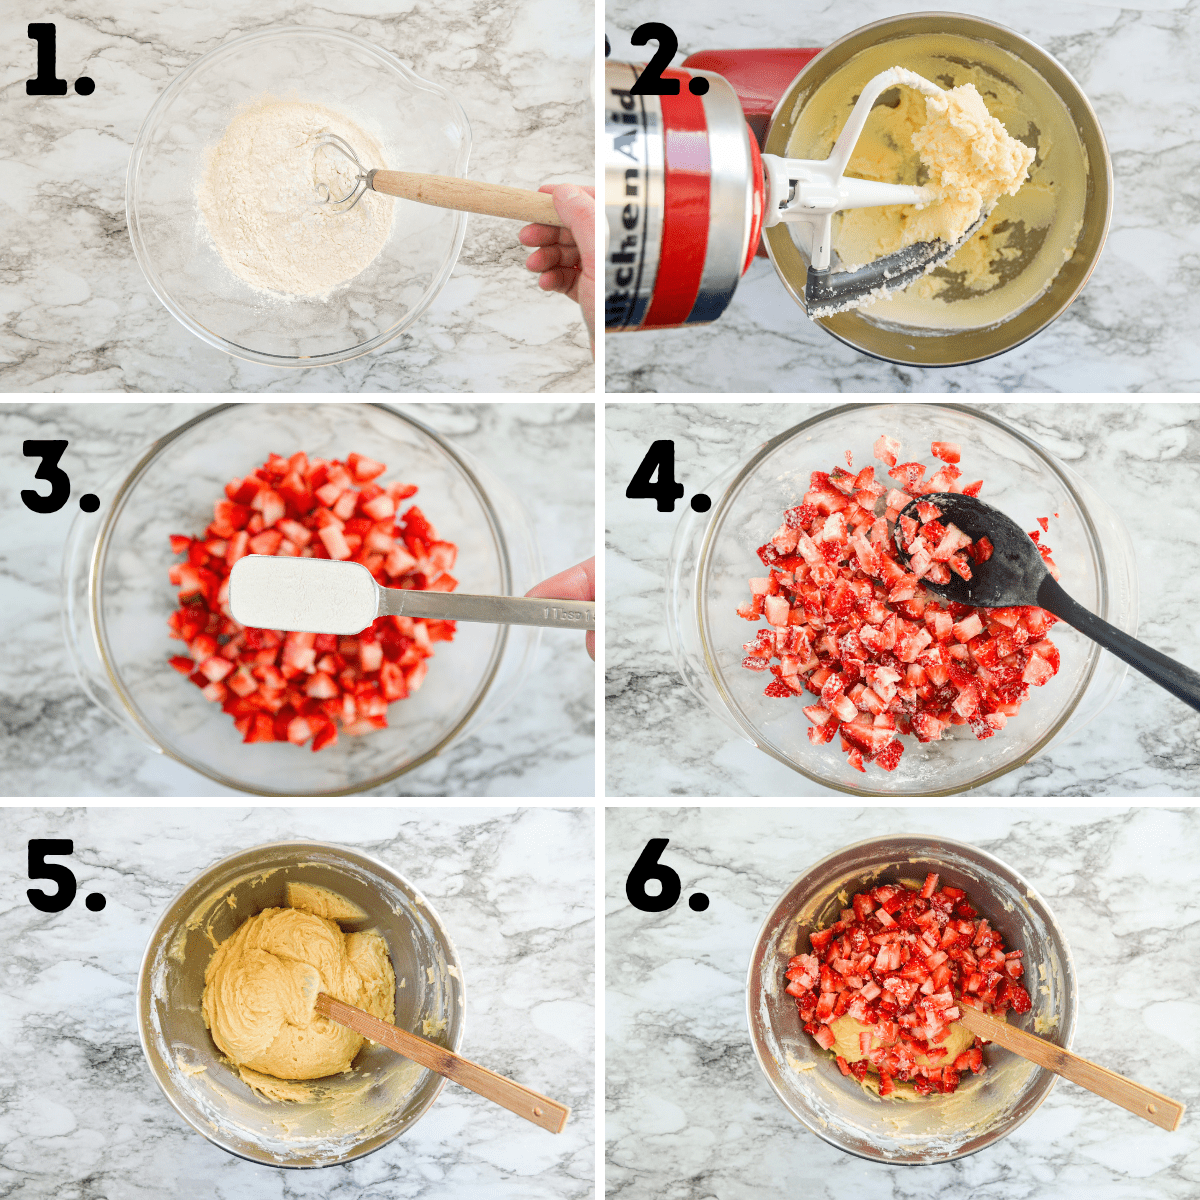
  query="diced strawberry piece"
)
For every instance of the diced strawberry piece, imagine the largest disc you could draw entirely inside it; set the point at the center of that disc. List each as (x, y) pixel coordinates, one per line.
(334, 542)
(1047, 650)
(266, 542)
(776, 609)
(889, 757)
(959, 565)
(908, 475)
(381, 508)
(947, 451)
(216, 668)
(886, 448)
(825, 1037)
(364, 469)
(345, 505)
(953, 540)
(1037, 671)
(238, 547)
(320, 686)
(981, 549)
(270, 505)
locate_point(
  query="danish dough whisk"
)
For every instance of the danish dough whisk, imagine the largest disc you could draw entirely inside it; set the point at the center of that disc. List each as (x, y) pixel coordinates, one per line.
(441, 191)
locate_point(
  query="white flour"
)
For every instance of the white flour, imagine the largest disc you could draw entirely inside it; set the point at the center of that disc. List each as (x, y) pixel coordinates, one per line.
(321, 595)
(258, 197)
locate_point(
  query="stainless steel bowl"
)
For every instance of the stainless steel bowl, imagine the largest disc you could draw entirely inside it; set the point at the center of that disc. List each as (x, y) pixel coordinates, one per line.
(383, 1094)
(985, 1107)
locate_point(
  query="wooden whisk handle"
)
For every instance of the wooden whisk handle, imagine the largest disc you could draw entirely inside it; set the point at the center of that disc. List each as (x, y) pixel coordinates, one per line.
(468, 195)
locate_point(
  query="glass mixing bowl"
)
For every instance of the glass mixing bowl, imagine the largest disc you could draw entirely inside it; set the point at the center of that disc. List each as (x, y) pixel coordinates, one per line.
(420, 126)
(118, 597)
(985, 1107)
(713, 557)
(383, 1094)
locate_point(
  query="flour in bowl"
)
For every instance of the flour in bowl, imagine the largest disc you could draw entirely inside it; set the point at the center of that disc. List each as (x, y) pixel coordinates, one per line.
(258, 196)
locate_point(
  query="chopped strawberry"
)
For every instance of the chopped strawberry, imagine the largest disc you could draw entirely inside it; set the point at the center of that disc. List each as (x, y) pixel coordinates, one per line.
(364, 468)
(300, 686)
(880, 965)
(886, 449)
(842, 609)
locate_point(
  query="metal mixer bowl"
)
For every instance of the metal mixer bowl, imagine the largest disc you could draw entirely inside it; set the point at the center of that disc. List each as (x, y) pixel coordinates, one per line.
(1008, 55)
(382, 1095)
(837, 1109)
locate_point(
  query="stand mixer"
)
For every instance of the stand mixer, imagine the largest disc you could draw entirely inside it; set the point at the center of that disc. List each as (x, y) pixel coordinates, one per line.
(694, 182)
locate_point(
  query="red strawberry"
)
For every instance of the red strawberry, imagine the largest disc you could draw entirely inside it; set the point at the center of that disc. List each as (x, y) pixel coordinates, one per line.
(841, 605)
(302, 686)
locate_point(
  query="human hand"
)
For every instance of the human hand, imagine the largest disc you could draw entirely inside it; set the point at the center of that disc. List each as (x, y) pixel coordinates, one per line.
(566, 256)
(575, 583)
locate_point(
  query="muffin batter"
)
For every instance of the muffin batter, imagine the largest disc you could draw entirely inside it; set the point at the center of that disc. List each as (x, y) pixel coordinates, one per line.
(847, 1029)
(962, 150)
(262, 982)
(1016, 254)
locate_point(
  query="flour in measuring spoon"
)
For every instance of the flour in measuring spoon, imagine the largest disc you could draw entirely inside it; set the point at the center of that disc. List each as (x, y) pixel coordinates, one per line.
(258, 197)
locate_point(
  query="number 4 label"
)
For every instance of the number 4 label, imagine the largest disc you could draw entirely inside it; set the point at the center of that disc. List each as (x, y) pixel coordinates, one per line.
(660, 461)
(659, 458)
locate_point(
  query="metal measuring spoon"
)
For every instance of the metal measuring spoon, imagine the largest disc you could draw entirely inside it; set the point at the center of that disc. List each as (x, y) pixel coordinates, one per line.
(324, 595)
(1017, 575)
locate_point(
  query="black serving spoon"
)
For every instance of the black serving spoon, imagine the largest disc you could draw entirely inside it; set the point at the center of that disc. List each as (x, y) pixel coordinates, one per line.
(1016, 575)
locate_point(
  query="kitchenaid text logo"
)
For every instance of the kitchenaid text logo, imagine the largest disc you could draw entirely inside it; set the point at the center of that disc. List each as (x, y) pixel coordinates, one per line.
(626, 183)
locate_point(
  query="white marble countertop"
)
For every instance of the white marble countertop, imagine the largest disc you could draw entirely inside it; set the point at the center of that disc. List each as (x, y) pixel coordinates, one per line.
(76, 312)
(691, 1116)
(1133, 328)
(663, 742)
(82, 1114)
(55, 742)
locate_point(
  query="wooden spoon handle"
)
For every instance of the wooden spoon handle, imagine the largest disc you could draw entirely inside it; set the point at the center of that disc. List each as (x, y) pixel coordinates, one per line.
(1156, 1108)
(468, 195)
(523, 1101)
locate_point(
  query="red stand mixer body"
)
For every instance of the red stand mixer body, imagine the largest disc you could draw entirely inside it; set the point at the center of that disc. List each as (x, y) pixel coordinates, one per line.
(684, 184)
